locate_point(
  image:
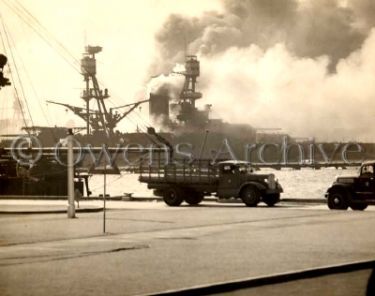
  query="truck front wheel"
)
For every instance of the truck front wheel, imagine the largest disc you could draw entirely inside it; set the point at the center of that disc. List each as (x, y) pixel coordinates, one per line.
(337, 200)
(250, 195)
(271, 199)
(173, 197)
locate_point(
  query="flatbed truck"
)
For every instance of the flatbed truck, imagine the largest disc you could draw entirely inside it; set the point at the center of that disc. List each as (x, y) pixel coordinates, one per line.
(191, 182)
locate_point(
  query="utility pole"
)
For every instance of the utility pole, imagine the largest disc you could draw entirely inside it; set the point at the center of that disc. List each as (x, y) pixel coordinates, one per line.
(71, 206)
(104, 195)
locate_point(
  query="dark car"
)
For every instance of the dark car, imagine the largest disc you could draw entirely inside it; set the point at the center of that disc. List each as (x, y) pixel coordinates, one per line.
(356, 192)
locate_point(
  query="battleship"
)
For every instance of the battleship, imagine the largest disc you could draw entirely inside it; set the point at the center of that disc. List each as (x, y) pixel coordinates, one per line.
(179, 120)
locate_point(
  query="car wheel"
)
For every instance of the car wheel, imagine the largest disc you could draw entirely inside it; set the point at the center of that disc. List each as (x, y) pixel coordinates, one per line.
(337, 200)
(271, 199)
(173, 197)
(250, 196)
(193, 197)
(358, 207)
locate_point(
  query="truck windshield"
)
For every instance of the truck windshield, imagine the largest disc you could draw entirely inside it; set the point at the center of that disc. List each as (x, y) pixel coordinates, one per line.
(245, 169)
(235, 168)
(367, 170)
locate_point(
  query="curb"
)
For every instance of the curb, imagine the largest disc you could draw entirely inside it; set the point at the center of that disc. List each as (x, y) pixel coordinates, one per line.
(59, 211)
(247, 283)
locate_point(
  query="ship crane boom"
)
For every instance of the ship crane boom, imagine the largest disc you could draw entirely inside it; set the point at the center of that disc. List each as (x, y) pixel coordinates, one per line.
(118, 117)
(136, 104)
(79, 111)
(71, 107)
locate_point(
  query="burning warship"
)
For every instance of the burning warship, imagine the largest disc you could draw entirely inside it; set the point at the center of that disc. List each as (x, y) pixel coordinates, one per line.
(179, 120)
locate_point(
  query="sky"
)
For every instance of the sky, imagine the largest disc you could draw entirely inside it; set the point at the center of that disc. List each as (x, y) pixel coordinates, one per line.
(305, 66)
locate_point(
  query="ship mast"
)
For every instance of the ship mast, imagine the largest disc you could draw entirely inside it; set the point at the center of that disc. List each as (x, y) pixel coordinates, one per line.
(101, 119)
(188, 94)
(92, 91)
(189, 115)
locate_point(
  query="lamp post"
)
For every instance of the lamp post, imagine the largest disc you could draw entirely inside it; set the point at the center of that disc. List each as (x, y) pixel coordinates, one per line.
(71, 206)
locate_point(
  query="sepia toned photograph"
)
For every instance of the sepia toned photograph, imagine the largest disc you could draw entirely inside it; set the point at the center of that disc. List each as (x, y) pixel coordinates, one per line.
(186, 147)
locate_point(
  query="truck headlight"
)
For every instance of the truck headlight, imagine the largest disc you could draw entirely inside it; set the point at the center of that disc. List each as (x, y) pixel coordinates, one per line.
(271, 181)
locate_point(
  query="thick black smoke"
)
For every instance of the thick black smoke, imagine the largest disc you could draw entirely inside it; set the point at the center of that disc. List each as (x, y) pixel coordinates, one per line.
(364, 11)
(306, 66)
(307, 28)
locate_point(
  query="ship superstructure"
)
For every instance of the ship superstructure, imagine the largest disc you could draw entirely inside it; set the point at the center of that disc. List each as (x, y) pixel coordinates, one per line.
(188, 113)
(101, 120)
(182, 113)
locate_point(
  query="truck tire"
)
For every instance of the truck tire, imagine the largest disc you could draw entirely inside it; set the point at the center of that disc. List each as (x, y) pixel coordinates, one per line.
(358, 207)
(173, 197)
(337, 200)
(193, 197)
(250, 196)
(271, 199)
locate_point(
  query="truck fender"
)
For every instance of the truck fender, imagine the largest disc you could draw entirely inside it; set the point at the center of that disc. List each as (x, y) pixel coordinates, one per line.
(259, 186)
(341, 188)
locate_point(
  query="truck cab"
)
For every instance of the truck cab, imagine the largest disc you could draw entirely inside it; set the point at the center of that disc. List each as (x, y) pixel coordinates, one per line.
(356, 192)
(238, 179)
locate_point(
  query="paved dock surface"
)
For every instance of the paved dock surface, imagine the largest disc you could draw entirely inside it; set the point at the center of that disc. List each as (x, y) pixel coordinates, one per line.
(150, 248)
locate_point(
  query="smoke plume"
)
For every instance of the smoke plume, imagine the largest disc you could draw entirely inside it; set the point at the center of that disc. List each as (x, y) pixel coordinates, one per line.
(306, 66)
